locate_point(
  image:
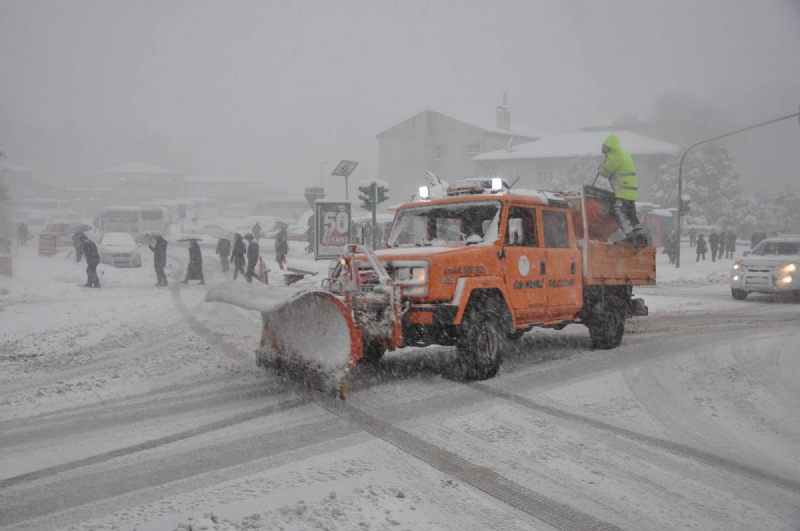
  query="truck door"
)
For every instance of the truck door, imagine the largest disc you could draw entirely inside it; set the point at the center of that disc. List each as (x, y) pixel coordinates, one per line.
(563, 275)
(524, 258)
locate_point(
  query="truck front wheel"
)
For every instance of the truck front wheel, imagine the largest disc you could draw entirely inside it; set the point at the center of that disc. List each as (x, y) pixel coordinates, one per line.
(481, 344)
(373, 352)
(607, 326)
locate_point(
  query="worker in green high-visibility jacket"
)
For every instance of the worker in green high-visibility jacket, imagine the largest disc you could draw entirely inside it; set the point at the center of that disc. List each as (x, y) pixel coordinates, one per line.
(619, 170)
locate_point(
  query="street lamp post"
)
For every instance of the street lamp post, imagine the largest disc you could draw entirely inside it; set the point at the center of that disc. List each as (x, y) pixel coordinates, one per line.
(321, 165)
(680, 173)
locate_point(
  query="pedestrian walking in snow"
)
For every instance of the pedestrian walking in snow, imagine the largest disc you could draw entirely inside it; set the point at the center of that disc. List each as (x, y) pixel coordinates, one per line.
(78, 245)
(700, 245)
(713, 242)
(160, 260)
(730, 244)
(223, 250)
(692, 237)
(252, 257)
(22, 233)
(92, 261)
(237, 255)
(257, 231)
(195, 269)
(721, 245)
(281, 249)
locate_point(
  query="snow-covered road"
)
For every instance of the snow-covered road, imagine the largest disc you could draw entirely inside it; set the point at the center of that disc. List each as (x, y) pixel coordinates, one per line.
(136, 407)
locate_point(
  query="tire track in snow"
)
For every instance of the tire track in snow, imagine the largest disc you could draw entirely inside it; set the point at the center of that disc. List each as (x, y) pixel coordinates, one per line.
(556, 514)
(154, 443)
(678, 449)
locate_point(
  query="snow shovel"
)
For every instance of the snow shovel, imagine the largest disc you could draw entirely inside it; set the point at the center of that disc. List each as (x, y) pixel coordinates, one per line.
(311, 335)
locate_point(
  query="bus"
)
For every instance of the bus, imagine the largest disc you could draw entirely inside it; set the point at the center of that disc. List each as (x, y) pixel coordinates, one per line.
(36, 211)
(205, 208)
(133, 219)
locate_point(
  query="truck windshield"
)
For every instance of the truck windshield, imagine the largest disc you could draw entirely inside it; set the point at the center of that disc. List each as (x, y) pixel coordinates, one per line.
(457, 223)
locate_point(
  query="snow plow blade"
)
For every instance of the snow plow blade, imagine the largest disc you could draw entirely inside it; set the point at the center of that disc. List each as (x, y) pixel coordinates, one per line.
(309, 336)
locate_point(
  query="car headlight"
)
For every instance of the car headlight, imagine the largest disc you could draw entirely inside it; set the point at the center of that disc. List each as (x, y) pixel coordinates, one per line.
(738, 267)
(789, 268)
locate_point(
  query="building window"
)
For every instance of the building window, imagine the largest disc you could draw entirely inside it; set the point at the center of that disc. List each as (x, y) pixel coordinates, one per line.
(473, 149)
(490, 171)
(546, 176)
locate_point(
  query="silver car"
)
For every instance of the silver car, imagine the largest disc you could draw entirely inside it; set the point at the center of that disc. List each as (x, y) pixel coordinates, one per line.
(771, 267)
(119, 249)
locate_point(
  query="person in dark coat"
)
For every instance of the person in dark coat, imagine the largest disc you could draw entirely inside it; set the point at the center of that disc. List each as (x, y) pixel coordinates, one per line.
(281, 249)
(223, 250)
(252, 257)
(713, 242)
(160, 260)
(22, 233)
(692, 237)
(700, 245)
(730, 244)
(78, 244)
(92, 261)
(671, 247)
(195, 269)
(237, 255)
(257, 231)
(721, 244)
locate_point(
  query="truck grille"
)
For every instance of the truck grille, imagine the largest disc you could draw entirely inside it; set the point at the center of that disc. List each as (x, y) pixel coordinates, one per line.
(759, 269)
(757, 281)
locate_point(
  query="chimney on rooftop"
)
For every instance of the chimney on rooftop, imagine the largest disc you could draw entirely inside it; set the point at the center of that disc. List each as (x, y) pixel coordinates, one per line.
(503, 116)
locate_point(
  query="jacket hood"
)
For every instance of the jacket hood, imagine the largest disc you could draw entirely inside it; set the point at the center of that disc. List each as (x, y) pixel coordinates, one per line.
(612, 142)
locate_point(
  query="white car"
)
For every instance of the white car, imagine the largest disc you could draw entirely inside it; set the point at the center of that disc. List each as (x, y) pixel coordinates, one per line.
(771, 267)
(119, 250)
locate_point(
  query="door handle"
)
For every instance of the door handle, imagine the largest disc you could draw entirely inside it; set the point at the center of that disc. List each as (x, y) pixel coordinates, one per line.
(572, 268)
(542, 268)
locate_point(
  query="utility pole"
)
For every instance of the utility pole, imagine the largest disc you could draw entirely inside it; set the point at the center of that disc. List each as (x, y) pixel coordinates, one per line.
(680, 172)
(321, 165)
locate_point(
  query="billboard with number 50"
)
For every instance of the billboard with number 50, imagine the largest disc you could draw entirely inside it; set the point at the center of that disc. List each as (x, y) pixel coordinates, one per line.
(333, 228)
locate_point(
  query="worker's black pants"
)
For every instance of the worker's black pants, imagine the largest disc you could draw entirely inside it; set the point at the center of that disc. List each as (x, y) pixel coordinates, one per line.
(250, 273)
(625, 212)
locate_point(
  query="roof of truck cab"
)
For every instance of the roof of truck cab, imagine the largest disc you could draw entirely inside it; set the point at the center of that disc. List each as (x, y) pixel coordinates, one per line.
(530, 196)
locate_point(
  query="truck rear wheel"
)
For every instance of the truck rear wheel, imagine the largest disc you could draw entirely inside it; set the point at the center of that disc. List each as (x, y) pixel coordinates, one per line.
(607, 326)
(482, 342)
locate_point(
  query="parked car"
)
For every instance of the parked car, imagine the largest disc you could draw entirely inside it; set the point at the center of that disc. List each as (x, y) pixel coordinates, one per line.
(62, 230)
(119, 250)
(771, 267)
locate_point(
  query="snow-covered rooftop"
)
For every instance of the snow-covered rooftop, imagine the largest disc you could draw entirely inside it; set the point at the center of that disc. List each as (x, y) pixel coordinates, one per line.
(489, 126)
(13, 168)
(578, 144)
(139, 167)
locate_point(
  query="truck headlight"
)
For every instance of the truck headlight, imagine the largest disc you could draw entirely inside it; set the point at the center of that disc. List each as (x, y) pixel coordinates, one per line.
(737, 266)
(789, 268)
(413, 277)
(787, 279)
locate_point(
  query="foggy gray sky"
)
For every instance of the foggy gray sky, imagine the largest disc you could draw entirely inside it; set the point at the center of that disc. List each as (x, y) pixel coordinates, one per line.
(331, 75)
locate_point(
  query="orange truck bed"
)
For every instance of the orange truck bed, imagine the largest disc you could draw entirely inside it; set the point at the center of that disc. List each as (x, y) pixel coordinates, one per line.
(618, 264)
(610, 264)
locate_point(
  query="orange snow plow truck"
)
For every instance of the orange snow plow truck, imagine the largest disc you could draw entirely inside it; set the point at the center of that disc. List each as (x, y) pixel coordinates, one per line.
(476, 269)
